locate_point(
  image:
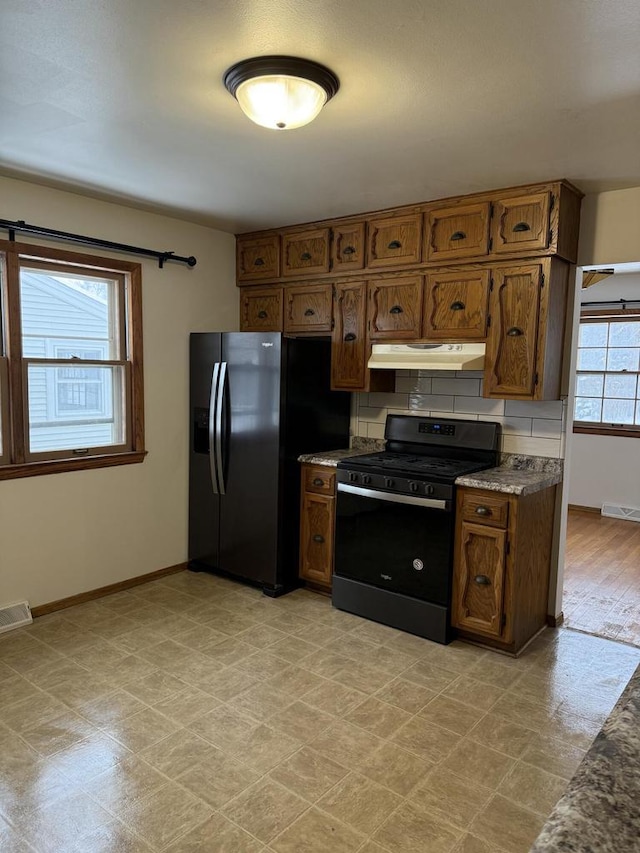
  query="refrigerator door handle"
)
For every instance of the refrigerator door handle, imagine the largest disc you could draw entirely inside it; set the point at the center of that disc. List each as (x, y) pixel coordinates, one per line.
(213, 463)
(222, 386)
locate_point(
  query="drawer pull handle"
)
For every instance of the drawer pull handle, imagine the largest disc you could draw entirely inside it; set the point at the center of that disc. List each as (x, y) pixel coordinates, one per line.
(395, 244)
(396, 309)
(309, 312)
(305, 256)
(318, 482)
(457, 306)
(458, 235)
(483, 510)
(262, 314)
(259, 262)
(318, 538)
(521, 226)
(349, 250)
(514, 332)
(482, 580)
(349, 337)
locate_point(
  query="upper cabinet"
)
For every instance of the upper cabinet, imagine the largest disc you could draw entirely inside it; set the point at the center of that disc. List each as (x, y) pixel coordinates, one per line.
(395, 308)
(305, 252)
(521, 223)
(460, 231)
(347, 247)
(394, 241)
(261, 309)
(258, 258)
(308, 308)
(456, 305)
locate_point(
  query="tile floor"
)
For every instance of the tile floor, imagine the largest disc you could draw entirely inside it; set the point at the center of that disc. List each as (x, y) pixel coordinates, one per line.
(194, 714)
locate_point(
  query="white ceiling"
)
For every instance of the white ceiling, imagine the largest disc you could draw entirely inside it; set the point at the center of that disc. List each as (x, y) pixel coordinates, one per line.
(123, 99)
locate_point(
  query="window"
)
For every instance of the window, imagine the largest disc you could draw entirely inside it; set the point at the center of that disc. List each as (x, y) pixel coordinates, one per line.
(70, 361)
(607, 380)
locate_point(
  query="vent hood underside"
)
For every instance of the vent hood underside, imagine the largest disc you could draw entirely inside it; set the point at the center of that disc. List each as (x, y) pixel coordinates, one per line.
(427, 356)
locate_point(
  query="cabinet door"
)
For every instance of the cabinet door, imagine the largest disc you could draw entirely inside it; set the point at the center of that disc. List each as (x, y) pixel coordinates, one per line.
(347, 247)
(456, 305)
(305, 252)
(258, 258)
(394, 241)
(521, 224)
(308, 308)
(458, 232)
(479, 579)
(514, 308)
(349, 345)
(316, 538)
(261, 310)
(395, 308)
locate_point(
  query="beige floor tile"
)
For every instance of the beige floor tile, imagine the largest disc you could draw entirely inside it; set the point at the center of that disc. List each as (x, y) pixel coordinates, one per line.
(333, 698)
(411, 830)
(142, 729)
(308, 774)
(405, 694)
(262, 665)
(475, 693)
(224, 727)
(261, 702)
(33, 786)
(61, 824)
(50, 674)
(422, 738)
(457, 656)
(147, 817)
(155, 687)
(89, 757)
(109, 709)
(10, 841)
(216, 835)
(31, 657)
(110, 838)
(527, 714)
(533, 788)
(378, 717)
(296, 681)
(501, 734)
(317, 832)
(363, 677)
(552, 755)
(478, 763)
(354, 647)
(292, 649)
(494, 672)
(15, 688)
(451, 714)
(30, 712)
(265, 809)
(218, 779)
(472, 844)
(360, 803)
(126, 782)
(430, 675)
(320, 634)
(289, 622)
(325, 663)
(187, 705)
(174, 754)
(451, 798)
(372, 847)
(199, 637)
(346, 744)
(226, 684)
(507, 826)
(301, 721)
(58, 733)
(262, 636)
(572, 729)
(264, 748)
(395, 768)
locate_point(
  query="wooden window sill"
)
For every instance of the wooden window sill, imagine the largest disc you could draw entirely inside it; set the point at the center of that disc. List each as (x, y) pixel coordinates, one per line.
(58, 466)
(632, 432)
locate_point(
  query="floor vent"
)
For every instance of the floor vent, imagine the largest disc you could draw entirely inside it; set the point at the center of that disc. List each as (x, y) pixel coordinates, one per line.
(14, 616)
(629, 513)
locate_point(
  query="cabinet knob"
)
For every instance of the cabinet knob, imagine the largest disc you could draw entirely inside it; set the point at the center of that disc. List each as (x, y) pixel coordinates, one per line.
(514, 332)
(259, 262)
(458, 235)
(395, 244)
(318, 482)
(305, 256)
(521, 226)
(349, 337)
(349, 250)
(483, 510)
(457, 306)
(309, 312)
(262, 314)
(482, 580)
(396, 309)
(318, 538)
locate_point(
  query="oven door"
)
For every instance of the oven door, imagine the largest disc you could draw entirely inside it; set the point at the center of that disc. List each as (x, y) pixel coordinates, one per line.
(396, 542)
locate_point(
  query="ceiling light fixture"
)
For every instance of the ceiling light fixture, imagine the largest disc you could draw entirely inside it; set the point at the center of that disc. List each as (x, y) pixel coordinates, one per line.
(280, 92)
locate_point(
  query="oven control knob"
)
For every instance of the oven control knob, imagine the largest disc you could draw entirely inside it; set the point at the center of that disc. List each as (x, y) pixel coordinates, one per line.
(430, 490)
(366, 479)
(389, 483)
(353, 478)
(413, 486)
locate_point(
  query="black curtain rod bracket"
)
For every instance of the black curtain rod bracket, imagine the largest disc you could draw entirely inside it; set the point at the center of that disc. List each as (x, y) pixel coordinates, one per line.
(21, 226)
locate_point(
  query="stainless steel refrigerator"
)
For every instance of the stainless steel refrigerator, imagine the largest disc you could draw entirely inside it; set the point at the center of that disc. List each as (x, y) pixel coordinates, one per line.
(257, 401)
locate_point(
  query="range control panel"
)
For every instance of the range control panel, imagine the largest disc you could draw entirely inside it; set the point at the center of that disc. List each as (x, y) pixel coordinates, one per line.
(393, 483)
(436, 429)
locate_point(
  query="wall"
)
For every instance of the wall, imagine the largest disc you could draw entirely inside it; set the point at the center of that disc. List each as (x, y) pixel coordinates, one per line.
(62, 534)
(610, 228)
(606, 468)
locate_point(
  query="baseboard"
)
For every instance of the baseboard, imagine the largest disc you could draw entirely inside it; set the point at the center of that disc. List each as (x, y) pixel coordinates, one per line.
(555, 621)
(90, 595)
(578, 508)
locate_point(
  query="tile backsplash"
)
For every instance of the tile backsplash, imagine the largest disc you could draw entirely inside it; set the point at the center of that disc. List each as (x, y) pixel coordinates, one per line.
(532, 428)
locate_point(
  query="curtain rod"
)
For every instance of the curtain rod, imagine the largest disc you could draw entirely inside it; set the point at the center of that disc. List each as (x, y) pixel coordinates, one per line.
(21, 226)
(622, 302)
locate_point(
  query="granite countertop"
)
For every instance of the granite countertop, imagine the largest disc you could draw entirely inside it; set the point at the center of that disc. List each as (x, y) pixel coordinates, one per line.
(601, 807)
(329, 458)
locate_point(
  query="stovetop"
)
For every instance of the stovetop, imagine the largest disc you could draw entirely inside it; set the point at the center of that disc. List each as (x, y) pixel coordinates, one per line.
(409, 463)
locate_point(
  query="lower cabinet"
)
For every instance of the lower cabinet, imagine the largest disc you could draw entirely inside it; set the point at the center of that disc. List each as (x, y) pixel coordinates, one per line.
(317, 523)
(500, 577)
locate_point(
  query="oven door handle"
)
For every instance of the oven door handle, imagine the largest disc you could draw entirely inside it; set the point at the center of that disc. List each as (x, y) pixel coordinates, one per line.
(430, 503)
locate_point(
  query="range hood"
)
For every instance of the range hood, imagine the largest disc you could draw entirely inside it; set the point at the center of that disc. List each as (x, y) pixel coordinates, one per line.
(427, 356)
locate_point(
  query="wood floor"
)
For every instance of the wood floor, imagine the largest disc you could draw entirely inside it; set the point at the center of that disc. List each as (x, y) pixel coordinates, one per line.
(602, 576)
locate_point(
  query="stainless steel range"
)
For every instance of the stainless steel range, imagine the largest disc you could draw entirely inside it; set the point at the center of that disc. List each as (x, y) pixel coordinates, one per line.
(395, 521)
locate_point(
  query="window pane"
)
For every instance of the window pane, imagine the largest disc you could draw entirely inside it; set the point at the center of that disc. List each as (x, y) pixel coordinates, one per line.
(620, 386)
(75, 407)
(617, 411)
(593, 335)
(592, 359)
(590, 385)
(625, 334)
(67, 316)
(588, 409)
(622, 359)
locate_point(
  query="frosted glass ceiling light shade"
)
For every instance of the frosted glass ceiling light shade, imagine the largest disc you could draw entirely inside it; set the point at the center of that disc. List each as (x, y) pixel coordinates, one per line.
(281, 92)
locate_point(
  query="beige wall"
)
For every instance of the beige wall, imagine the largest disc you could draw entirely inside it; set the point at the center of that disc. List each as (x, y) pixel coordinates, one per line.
(610, 228)
(62, 534)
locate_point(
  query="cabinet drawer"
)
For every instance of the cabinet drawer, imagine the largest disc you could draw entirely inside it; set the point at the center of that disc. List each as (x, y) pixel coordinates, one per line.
(485, 509)
(258, 258)
(521, 224)
(395, 308)
(308, 308)
(347, 247)
(261, 309)
(305, 252)
(458, 232)
(456, 305)
(321, 480)
(394, 240)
